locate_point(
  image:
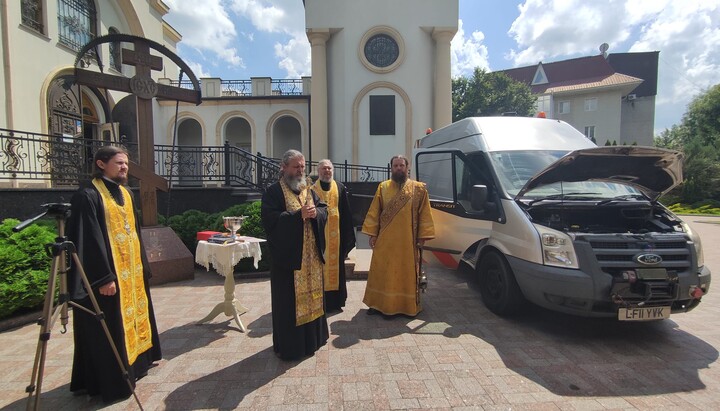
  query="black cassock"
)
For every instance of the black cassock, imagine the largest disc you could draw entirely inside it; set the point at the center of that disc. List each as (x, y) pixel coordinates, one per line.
(284, 231)
(95, 368)
(335, 300)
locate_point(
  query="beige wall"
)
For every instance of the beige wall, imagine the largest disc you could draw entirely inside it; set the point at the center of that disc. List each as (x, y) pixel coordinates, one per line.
(260, 113)
(35, 58)
(348, 78)
(638, 121)
(606, 118)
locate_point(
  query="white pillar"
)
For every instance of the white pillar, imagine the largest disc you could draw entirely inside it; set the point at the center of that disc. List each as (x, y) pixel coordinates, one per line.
(442, 115)
(318, 94)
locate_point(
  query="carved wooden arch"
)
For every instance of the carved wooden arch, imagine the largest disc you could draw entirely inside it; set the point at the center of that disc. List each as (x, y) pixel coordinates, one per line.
(285, 113)
(356, 120)
(127, 38)
(226, 117)
(144, 88)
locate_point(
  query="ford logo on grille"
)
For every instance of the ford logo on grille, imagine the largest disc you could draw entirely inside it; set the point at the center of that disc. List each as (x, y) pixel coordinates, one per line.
(648, 259)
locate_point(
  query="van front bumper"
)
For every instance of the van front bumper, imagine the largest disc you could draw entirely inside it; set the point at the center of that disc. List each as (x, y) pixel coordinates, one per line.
(577, 292)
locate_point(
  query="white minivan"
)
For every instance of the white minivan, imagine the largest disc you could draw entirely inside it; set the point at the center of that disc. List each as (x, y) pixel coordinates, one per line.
(540, 213)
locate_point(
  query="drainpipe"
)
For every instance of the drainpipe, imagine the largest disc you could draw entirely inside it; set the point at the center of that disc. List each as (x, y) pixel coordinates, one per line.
(6, 66)
(9, 119)
(309, 130)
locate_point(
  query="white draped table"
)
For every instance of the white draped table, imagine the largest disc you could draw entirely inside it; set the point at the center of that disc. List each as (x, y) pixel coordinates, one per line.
(224, 257)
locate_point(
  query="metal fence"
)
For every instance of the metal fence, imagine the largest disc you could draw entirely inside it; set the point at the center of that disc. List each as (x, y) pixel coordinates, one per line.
(66, 161)
(243, 88)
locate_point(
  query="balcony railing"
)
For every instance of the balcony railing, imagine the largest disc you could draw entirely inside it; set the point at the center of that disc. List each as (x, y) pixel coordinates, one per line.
(289, 87)
(66, 161)
(236, 88)
(244, 88)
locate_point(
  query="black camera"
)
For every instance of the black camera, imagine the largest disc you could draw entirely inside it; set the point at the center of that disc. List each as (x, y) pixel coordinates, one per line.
(57, 210)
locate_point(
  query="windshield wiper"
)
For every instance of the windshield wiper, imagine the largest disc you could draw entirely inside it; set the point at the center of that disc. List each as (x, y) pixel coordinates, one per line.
(561, 196)
(623, 197)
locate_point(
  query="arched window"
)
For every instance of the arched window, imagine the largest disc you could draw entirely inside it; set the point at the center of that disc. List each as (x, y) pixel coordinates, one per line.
(115, 62)
(77, 22)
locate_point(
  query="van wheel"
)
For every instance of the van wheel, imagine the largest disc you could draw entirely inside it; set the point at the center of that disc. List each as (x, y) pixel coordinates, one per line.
(498, 288)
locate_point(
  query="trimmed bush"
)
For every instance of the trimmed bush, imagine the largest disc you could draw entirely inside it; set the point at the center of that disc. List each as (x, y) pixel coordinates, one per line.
(189, 223)
(679, 208)
(24, 266)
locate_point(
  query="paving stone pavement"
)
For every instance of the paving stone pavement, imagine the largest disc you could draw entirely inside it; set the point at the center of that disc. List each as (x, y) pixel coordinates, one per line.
(454, 355)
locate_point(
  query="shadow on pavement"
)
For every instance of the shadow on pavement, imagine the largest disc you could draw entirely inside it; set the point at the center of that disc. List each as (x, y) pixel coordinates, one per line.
(228, 387)
(567, 355)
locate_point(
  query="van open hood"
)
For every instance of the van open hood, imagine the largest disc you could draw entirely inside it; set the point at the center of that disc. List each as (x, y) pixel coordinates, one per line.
(653, 171)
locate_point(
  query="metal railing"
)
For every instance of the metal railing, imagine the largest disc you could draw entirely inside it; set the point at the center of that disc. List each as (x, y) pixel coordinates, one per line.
(62, 160)
(289, 87)
(243, 88)
(187, 84)
(67, 160)
(236, 88)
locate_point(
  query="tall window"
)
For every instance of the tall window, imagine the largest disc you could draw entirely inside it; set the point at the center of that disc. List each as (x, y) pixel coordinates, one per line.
(544, 104)
(591, 104)
(563, 107)
(115, 61)
(77, 22)
(32, 15)
(590, 132)
(382, 115)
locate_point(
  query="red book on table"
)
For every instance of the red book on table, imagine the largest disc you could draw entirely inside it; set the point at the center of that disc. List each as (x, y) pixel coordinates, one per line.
(204, 235)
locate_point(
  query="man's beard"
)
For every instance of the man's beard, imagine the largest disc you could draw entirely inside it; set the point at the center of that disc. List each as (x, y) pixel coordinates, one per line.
(399, 176)
(120, 180)
(325, 179)
(296, 183)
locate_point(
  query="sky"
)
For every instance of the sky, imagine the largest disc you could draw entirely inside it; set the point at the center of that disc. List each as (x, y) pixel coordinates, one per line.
(239, 39)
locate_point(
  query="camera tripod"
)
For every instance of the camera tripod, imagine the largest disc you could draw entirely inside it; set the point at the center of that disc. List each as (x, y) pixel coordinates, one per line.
(59, 252)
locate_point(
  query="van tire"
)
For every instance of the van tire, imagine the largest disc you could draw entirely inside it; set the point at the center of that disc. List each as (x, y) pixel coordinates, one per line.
(498, 287)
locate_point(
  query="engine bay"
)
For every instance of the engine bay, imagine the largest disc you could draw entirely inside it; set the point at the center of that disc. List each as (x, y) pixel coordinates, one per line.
(588, 217)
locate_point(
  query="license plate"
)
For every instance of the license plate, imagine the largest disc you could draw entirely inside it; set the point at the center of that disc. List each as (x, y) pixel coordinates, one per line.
(652, 273)
(643, 313)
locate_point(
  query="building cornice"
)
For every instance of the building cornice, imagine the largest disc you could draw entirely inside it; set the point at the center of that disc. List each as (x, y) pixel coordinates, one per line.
(169, 31)
(160, 7)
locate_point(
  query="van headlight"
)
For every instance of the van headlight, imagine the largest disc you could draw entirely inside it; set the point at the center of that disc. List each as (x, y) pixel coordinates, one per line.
(696, 243)
(557, 248)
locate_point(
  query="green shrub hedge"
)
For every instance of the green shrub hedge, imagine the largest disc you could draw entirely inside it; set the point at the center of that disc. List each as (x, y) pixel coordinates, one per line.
(24, 266)
(706, 209)
(189, 223)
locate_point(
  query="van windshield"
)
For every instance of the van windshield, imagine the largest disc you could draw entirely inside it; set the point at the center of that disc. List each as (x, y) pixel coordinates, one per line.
(515, 168)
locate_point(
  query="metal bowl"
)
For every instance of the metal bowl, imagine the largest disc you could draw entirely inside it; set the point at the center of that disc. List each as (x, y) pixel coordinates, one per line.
(233, 224)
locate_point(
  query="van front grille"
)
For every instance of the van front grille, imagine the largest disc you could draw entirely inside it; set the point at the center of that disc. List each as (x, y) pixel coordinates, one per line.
(618, 253)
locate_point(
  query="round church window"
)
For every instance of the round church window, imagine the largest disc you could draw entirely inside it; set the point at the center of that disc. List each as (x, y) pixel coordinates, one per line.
(381, 50)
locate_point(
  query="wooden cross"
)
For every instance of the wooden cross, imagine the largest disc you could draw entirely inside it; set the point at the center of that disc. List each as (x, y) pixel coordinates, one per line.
(145, 89)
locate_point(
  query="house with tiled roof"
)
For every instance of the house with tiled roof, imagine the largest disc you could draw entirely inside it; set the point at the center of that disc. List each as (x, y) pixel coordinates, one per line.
(608, 97)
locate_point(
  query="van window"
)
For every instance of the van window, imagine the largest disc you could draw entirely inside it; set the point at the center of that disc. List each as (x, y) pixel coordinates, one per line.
(515, 168)
(435, 169)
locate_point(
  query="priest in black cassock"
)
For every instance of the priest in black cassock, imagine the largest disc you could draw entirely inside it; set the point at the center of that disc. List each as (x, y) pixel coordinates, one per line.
(294, 220)
(104, 227)
(339, 235)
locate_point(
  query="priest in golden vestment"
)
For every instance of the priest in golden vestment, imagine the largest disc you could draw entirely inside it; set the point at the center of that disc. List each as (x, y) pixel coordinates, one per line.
(294, 220)
(398, 221)
(105, 229)
(339, 235)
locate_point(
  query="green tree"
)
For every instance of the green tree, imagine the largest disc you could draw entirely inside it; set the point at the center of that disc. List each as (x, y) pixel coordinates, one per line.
(703, 118)
(490, 94)
(698, 136)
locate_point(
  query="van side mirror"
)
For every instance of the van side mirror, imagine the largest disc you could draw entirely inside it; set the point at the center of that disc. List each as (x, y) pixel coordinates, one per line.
(478, 197)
